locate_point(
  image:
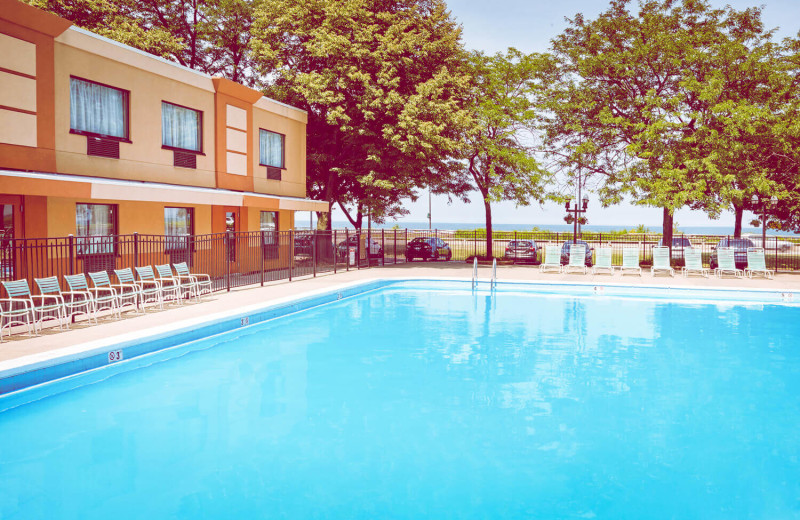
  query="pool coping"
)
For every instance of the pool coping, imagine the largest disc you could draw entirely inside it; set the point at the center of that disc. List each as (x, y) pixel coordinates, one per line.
(22, 373)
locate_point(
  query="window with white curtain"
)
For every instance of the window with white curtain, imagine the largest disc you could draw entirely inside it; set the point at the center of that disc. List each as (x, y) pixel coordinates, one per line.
(269, 225)
(98, 109)
(178, 227)
(95, 227)
(181, 127)
(271, 148)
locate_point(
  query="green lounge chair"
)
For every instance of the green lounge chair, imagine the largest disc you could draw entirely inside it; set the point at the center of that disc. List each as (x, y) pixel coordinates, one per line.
(630, 260)
(603, 260)
(42, 306)
(201, 282)
(757, 264)
(151, 288)
(577, 258)
(727, 263)
(661, 261)
(102, 298)
(125, 297)
(694, 263)
(16, 310)
(552, 259)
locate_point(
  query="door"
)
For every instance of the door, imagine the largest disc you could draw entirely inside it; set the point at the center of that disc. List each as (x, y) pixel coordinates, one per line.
(11, 228)
(232, 223)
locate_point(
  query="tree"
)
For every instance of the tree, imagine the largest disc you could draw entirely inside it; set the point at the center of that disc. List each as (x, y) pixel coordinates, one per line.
(628, 107)
(383, 86)
(499, 149)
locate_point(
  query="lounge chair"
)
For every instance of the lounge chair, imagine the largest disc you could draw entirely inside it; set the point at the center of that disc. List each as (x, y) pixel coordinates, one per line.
(757, 264)
(14, 309)
(102, 298)
(604, 255)
(73, 305)
(727, 263)
(129, 284)
(661, 261)
(78, 299)
(630, 260)
(170, 284)
(552, 259)
(125, 296)
(151, 288)
(202, 282)
(693, 263)
(577, 258)
(42, 306)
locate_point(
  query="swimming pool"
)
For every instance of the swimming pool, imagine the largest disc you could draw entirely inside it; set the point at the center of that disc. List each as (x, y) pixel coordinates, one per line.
(428, 400)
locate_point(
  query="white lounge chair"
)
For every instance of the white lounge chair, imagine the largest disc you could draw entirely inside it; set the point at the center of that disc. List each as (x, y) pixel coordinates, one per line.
(604, 255)
(552, 259)
(727, 263)
(661, 261)
(693, 263)
(577, 258)
(757, 264)
(630, 260)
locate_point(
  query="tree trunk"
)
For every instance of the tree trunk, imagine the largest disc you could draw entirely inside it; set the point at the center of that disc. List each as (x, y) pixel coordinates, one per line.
(738, 211)
(488, 208)
(666, 226)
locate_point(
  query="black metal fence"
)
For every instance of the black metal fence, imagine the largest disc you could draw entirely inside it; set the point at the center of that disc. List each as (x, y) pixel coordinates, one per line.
(248, 258)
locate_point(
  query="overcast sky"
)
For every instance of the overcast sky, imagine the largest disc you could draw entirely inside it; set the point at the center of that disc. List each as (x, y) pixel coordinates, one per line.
(529, 25)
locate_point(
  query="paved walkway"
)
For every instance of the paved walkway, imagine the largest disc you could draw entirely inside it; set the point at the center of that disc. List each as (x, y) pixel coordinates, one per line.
(19, 346)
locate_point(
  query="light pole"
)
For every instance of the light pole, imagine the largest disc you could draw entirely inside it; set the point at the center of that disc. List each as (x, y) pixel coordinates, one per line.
(577, 210)
(766, 205)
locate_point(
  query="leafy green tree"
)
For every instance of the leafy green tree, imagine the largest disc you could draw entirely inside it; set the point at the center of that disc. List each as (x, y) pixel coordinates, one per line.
(383, 86)
(631, 107)
(500, 148)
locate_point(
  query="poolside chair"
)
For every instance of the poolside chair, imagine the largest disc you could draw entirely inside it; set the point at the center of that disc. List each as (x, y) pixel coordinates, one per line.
(630, 260)
(552, 259)
(661, 261)
(14, 309)
(171, 284)
(202, 282)
(127, 283)
(604, 255)
(79, 299)
(577, 258)
(42, 306)
(727, 263)
(125, 296)
(757, 264)
(102, 298)
(73, 305)
(693, 263)
(147, 277)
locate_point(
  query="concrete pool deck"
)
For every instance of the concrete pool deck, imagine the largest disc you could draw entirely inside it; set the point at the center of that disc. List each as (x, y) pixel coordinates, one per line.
(19, 346)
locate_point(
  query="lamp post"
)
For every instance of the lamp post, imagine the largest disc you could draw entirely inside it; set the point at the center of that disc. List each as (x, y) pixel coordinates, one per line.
(577, 210)
(766, 205)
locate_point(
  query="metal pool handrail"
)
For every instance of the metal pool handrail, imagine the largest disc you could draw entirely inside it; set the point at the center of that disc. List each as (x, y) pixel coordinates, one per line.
(475, 273)
(494, 274)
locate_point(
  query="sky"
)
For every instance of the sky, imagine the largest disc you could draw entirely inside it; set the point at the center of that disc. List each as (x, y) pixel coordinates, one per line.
(529, 25)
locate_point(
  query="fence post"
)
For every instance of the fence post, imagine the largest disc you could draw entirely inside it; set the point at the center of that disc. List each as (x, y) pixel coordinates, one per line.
(227, 260)
(135, 249)
(262, 248)
(71, 254)
(475, 242)
(291, 253)
(314, 251)
(395, 246)
(383, 247)
(346, 249)
(333, 244)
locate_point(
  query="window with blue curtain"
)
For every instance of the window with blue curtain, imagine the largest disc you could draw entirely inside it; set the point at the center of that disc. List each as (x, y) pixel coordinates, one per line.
(181, 127)
(271, 148)
(98, 109)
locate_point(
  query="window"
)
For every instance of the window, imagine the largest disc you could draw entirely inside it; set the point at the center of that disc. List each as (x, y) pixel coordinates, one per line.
(178, 228)
(181, 127)
(95, 227)
(269, 225)
(98, 110)
(271, 148)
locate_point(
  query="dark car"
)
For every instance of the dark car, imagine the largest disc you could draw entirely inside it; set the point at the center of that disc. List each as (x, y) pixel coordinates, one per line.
(740, 247)
(523, 251)
(375, 249)
(428, 248)
(565, 252)
(679, 244)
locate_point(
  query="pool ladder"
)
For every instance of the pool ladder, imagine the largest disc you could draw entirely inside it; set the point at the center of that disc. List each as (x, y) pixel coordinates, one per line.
(492, 283)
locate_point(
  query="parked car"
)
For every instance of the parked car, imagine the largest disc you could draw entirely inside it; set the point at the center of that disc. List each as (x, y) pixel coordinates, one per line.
(740, 247)
(375, 249)
(772, 243)
(565, 252)
(523, 251)
(428, 248)
(679, 244)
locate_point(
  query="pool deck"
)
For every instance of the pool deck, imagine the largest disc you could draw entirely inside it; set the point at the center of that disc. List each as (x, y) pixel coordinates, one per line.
(19, 346)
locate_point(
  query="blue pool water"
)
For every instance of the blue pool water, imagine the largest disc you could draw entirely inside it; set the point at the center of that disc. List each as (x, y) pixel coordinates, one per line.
(405, 403)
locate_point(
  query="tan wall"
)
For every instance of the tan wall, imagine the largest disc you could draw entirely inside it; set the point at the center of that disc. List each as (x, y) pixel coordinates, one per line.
(142, 159)
(290, 123)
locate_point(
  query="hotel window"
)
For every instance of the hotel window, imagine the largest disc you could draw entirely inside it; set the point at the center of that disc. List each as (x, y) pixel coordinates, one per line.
(95, 227)
(271, 153)
(178, 228)
(269, 225)
(182, 132)
(98, 110)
